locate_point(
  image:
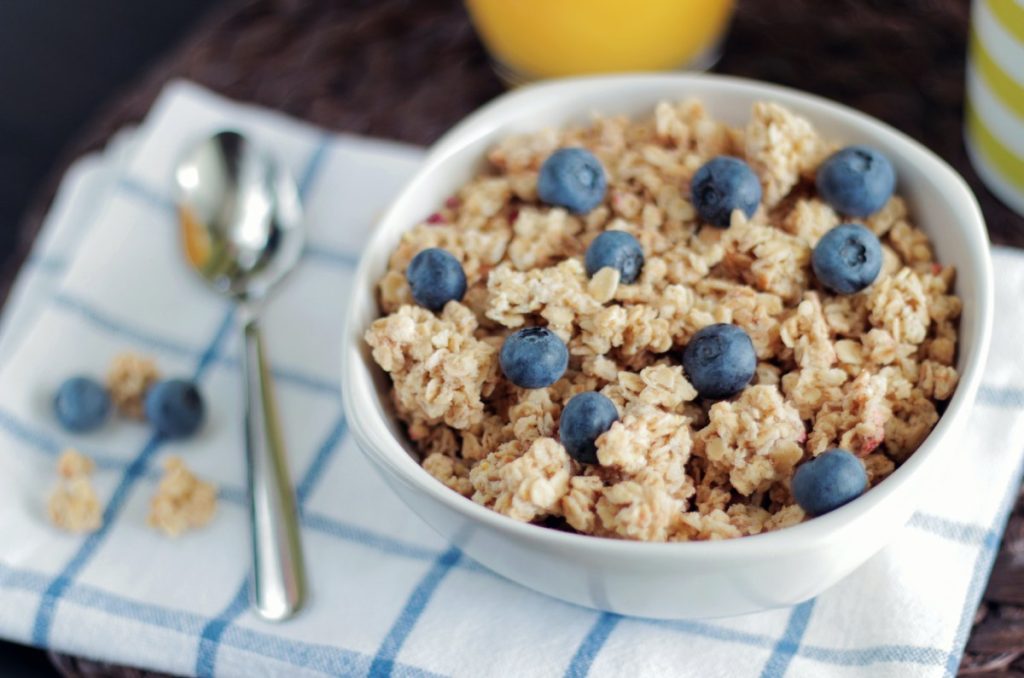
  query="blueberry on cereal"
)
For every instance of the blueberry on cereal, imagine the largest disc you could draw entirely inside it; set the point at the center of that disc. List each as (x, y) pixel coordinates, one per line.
(533, 357)
(721, 185)
(719, 361)
(856, 180)
(847, 259)
(828, 481)
(81, 404)
(435, 278)
(585, 417)
(618, 250)
(572, 178)
(174, 408)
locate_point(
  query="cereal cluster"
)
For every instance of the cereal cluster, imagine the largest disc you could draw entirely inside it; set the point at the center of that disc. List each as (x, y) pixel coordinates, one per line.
(182, 501)
(73, 506)
(867, 372)
(129, 378)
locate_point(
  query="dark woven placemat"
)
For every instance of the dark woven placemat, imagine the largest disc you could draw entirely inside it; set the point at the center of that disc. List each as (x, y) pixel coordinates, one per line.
(409, 69)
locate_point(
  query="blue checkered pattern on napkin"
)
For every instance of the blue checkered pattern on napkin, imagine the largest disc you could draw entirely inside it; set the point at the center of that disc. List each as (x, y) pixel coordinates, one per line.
(390, 597)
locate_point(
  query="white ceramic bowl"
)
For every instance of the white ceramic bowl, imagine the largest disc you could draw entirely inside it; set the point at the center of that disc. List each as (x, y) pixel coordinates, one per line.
(675, 580)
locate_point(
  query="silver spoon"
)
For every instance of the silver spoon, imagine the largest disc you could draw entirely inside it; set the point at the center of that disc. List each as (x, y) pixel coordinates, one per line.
(241, 223)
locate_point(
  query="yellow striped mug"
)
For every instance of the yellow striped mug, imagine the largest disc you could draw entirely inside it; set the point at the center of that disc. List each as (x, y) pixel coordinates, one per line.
(994, 116)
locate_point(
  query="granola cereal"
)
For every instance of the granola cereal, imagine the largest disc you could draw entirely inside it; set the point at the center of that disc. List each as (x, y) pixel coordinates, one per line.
(73, 505)
(129, 377)
(182, 501)
(868, 372)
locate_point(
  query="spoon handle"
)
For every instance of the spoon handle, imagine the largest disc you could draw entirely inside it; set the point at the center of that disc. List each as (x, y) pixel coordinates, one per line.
(278, 583)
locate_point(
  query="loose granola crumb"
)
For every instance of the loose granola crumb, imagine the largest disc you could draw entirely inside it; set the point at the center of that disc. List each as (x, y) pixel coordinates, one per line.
(182, 501)
(73, 505)
(72, 464)
(128, 379)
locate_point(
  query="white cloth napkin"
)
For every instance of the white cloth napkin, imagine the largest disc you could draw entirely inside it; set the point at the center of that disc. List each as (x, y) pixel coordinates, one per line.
(390, 597)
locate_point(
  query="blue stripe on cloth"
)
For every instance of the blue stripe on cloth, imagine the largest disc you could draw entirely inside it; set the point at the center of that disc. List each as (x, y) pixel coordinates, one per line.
(979, 576)
(327, 255)
(359, 535)
(982, 566)
(878, 654)
(331, 661)
(907, 654)
(714, 632)
(51, 597)
(151, 197)
(42, 441)
(328, 659)
(209, 637)
(789, 643)
(306, 381)
(313, 165)
(1006, 397)
(46, 263)
(104, 321)
(316, 467)
(384, 663)
(949, 529)
(231, 494)
(586, 653)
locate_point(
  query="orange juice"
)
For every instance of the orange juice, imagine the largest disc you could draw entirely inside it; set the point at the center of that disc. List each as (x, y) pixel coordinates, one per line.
(551, 38)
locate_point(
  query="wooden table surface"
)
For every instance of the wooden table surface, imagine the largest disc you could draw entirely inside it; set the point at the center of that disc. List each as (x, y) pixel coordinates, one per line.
(409, 69)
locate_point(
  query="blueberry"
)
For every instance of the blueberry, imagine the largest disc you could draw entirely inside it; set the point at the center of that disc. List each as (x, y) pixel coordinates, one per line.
(847, 259)
(175, 408)
(618, 250)
(828, 481)
(719, 361)
(435, 278)
(572, 178)
(81, 404)
(533, 357)
(856, 180)
(722, 185)
(585, 417)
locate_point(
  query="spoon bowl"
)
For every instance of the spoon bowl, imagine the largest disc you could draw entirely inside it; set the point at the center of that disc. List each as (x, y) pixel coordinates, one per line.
(240, 213)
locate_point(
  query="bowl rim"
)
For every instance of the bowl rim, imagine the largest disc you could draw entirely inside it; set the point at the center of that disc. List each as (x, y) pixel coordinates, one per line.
(392, 456)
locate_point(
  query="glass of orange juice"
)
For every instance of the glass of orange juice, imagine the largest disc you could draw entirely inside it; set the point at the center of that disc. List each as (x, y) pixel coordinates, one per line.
(533, 39)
